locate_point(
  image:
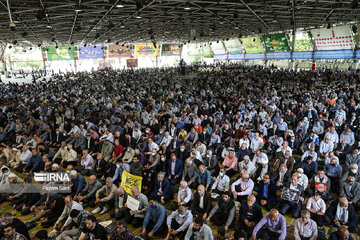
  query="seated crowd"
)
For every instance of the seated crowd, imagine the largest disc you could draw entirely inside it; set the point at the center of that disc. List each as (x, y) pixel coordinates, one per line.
(249, 141)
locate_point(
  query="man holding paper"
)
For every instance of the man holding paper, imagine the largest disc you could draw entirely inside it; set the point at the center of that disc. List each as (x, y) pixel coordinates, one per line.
(132, 216)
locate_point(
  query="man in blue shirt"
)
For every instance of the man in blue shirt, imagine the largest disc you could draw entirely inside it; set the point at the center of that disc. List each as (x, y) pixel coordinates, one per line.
(204, 177)
(310, 167)
(120, 168)
(34, 164)
(78, 182)
(333, 170)
(155, 220)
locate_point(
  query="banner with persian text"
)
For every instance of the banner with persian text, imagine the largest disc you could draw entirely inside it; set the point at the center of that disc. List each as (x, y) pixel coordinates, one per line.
(116, 51)
(218, 47)
(233, 46)
(170, 49)
(276, 42)
(91, 52)
(60, 53)
(335, 38)
(146, 50)
(252, 45)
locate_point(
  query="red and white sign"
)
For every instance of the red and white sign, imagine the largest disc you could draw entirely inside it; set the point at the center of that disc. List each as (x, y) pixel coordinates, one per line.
(335, 38)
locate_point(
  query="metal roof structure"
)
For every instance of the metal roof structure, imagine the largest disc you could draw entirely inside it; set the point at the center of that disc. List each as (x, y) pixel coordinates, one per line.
(56, 22)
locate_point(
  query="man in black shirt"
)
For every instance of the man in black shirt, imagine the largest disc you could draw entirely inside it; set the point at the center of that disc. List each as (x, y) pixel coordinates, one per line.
(93, 230)
(249, 215)
(18, 225)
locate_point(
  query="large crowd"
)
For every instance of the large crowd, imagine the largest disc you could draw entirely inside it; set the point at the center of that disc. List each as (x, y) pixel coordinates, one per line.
(245, 141)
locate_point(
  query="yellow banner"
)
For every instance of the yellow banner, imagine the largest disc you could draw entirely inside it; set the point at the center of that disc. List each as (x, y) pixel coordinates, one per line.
(128, 181)
(146, 50)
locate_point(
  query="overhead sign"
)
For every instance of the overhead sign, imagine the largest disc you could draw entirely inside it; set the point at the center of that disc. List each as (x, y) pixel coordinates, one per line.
(278, 55)
(145, 50)
(276, 42)
(335, 54)
(233, 46)
(252, 45)
(60, 53)
(302, 55)
(91, 52)
(170, 49)
(335, 38)
(116, 51)
(252, 56)
(218, 47)
(132, 63)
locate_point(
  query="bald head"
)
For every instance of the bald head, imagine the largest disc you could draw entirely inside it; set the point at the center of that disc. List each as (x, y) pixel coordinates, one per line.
(92, 179)
(343, 202)
(274, 214)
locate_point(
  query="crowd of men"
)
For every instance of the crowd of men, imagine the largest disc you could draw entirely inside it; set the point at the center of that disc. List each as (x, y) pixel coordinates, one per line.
(247, 139)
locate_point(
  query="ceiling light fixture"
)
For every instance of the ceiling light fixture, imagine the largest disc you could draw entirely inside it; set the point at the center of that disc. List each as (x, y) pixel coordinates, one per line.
(187, 6)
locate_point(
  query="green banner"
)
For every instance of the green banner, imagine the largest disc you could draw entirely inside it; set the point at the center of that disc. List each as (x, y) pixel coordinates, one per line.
(276, 42)
(252, 45)
(60, 53)
(207, 52)
(233, 46)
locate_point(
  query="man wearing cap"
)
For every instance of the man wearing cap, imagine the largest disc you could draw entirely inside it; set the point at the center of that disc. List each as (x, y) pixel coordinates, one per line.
(230, 163)
(303, 180)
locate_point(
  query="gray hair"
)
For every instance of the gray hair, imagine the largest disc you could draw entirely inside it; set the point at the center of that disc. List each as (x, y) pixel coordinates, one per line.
(305, 212)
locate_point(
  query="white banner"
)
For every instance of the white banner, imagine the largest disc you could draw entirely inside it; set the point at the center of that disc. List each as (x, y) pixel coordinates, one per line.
(335, 38)
(218, 48)
(233, 46)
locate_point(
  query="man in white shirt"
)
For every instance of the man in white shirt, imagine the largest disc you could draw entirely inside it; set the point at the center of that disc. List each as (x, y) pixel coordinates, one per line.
(303, 179)
(247, 166)
(305, 228)
(166, 139)
(311, 152)
(24, 157)
(221, 183)
(242, 188)
(317, 207)
(326, 146)
(260, 157)
(256, 143)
